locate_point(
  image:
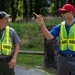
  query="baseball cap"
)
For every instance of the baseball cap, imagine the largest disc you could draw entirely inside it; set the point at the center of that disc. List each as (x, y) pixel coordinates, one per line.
(67, 7)
(3, 15)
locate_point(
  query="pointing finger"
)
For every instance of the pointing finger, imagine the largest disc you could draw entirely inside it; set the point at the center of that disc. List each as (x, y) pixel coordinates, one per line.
(36, 14)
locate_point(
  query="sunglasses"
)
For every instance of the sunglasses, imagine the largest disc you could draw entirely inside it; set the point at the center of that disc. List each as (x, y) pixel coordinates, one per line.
(63, 12)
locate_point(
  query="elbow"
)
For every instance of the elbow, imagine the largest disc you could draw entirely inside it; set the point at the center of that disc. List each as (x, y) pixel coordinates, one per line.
(48, 38)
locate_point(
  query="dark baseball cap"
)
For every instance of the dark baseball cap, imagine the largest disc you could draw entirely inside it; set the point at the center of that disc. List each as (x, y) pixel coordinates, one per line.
(67, 7)
(3, 15)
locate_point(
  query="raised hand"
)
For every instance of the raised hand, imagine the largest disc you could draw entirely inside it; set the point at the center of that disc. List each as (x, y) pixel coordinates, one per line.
(39, 19)
(45, 31)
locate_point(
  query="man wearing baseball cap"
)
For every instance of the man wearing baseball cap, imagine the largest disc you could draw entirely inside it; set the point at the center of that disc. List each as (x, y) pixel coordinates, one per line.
(67, 7)
(9, 46)
(66, 32)
(3, 15)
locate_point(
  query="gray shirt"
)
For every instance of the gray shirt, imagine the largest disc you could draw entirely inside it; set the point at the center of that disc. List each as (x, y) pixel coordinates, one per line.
(14, 38)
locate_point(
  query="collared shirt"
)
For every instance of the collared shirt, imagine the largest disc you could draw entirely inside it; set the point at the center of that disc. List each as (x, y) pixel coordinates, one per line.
(55, 32)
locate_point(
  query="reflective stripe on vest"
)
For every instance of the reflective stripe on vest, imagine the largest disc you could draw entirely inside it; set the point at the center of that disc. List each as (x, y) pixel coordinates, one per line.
(5, 42)
(67, 41)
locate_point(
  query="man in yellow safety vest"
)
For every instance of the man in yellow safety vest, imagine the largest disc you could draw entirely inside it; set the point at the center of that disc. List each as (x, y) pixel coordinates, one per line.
(66, 32)
(9, 46)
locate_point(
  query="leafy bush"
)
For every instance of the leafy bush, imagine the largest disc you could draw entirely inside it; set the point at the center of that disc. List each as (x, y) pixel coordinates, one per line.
(30, 34)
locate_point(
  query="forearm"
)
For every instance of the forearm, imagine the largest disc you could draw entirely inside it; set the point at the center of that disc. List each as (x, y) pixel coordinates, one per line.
(12, 62)
(45, 32)
(16, 49)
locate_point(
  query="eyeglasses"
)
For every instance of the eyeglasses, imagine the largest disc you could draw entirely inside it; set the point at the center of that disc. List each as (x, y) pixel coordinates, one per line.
(63, 12)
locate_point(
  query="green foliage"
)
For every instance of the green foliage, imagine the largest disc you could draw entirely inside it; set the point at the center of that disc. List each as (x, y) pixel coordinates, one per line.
(8, 8)
(47, 3)
(29, 34)
(52, 8)
(29, 61)
(53, 22)
(18, 6)
(32, 39)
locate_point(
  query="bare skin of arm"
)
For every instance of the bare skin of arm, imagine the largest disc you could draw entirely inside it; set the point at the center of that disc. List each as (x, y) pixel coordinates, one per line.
(39, 19)
(12, 62)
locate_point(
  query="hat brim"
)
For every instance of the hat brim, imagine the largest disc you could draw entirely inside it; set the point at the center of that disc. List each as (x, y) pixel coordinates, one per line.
(61, 10)
(7, 16)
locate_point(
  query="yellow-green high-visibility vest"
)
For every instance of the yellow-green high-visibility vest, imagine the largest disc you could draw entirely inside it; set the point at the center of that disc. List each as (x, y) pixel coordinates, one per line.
(67, 41)
(5, 42)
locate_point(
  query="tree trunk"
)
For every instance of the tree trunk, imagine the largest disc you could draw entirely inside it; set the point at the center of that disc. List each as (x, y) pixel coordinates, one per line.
(50, 52)
(2, 5)
(25, 10)
(30, 9)
(13, 11)
(37, 6)
(57, 6)
(70, 1)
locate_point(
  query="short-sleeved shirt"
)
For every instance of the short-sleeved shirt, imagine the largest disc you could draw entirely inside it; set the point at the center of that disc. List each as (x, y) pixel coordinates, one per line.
(55, 32)
(14, 38)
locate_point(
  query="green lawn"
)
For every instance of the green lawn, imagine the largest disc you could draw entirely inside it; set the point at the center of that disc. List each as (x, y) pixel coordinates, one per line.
(30, 61)
(32, 39)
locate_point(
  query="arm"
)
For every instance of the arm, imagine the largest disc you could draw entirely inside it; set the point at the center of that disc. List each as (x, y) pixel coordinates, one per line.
(12, 63)
(45, 31)
(16, 48)
(15, 42)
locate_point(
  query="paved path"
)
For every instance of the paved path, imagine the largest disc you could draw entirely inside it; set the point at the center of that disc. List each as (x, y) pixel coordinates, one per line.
(23, 71)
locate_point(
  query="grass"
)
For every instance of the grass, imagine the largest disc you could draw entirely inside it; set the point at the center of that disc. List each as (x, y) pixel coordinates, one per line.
(32, 39)
(30, 61)
(29, 34)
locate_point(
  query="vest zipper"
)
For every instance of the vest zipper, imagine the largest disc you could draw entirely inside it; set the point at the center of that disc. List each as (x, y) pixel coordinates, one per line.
(67, 39)
(1, 47)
